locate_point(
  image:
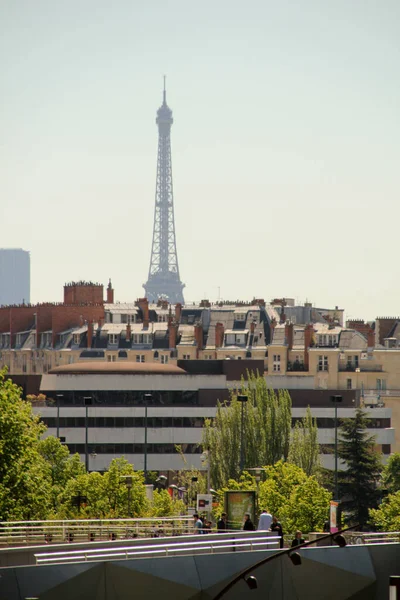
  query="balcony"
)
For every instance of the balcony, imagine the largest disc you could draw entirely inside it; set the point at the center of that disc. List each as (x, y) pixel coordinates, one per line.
(361, 368)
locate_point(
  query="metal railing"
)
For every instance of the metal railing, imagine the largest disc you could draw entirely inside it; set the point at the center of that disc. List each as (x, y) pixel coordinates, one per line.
(19, 533)
(383, 537)
(241, 542)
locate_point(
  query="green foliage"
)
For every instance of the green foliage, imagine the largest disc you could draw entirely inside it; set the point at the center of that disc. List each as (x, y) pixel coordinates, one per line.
(359, 482)
(24, 489)
(107, 494)
(267, 429)
(304, 447)
(391, 473)
(295, 498)
(387, 516)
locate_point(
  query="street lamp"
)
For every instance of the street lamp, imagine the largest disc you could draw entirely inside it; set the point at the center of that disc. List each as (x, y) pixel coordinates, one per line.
(241, 398)
(336, 400)
(128, 483)
(147, 398)
(87, 401)
(58, 396)
(205, 458)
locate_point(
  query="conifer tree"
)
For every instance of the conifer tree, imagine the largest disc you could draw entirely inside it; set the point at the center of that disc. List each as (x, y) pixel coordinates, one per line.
(359, 481)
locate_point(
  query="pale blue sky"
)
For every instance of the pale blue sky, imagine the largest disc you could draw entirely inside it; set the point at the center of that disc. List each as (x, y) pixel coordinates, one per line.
(285, 145)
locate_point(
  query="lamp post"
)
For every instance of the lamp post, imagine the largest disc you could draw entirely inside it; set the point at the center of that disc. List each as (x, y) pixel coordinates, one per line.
(205, 458)
(128, 483)
(147, 398)
(336, 400)
(241, 398)
(87, 400)
(58, 396)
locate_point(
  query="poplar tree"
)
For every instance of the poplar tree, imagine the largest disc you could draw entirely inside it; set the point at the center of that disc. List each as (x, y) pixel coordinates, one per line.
(304, 446)
(266, 435)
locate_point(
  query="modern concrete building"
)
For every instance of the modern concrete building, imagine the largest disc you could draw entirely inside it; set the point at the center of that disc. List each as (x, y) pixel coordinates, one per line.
(15, 276)
(105, 409)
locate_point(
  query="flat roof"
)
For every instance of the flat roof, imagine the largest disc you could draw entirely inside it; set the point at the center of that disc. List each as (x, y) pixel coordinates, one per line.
(117, 368)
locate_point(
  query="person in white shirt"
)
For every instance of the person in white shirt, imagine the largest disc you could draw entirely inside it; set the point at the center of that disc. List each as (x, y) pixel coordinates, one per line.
(265, 521)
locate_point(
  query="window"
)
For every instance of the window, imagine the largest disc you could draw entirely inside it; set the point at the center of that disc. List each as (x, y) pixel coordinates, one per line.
(322, 363)
(111, 357)
(356, 362)
(240, 316)
(113, 338)
(277, 362)
(164, 359)
(381, 384)
(349, 384)
(77, 339)
(186, 357)
(140, 358)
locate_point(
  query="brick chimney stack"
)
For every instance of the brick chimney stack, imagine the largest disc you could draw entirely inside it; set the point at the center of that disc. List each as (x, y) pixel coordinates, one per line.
(198, 336)
(219, 335)
(308, 336)
(289, 335)
(144, 306)
(173, 333)
(90, 334)
(252, 327)
(110, 293)
(128, 332)
(178, 312)
(273, 325)
(282, 318)
(371, 338)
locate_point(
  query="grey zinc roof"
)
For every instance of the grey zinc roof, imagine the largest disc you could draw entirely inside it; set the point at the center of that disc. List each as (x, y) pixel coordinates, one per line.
(226, 317)
(279, 336)
(351, 339)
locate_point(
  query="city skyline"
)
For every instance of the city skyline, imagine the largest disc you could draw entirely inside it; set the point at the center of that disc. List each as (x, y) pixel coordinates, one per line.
(284, 154)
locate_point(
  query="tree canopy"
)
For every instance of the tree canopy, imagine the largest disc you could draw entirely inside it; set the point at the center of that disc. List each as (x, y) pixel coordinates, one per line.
(267, 430)
(391, 473)
(387, 516)
(298, 500)
(359, 482)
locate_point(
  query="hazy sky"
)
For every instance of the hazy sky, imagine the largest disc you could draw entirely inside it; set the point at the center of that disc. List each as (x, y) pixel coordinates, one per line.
(285, 145)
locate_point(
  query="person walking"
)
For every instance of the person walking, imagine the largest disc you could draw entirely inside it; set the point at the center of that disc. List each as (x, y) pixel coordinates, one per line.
(222, 524)
(277, 528)
(198, 523)
(248, 524)
(297, 540)
(265, 521)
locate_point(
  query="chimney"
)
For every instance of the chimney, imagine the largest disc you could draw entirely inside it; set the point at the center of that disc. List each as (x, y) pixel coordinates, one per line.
(219, 335)
(289, 335)
(144, 306)
(282, 318)
(259, 302)
(273, 325)
(178, 312)
(128, 332)
(110, 293)
(252, 327)
(371, 338)
(308, 336)
(198, 336)
(173, 333)
(90, 334)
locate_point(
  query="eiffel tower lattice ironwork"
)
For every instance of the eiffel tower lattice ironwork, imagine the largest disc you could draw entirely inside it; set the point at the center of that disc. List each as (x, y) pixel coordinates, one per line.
(164, 280)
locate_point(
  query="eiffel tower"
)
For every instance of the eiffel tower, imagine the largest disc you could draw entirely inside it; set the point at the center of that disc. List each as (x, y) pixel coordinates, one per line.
(164, 280)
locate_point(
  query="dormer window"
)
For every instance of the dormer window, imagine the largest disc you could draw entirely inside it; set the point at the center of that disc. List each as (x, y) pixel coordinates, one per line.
(77, 339)
(113, 338)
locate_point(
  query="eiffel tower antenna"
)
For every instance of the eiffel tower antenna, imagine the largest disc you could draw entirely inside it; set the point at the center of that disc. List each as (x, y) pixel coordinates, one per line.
(163, 280)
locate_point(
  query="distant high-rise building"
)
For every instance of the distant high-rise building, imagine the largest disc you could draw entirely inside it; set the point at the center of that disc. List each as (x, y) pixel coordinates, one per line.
(15, 276)
(164, 280)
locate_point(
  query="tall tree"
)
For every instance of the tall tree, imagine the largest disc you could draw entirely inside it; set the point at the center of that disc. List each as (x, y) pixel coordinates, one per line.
(391, 474)
(304, 447)
(298, 500)
(24, 485)
(266, 434)
(359, 481)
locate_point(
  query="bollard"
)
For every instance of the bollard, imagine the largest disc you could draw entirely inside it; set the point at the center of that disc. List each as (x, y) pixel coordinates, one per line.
(394, 587)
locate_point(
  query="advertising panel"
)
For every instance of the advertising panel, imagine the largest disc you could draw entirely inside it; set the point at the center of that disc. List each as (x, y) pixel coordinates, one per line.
(237, 504)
